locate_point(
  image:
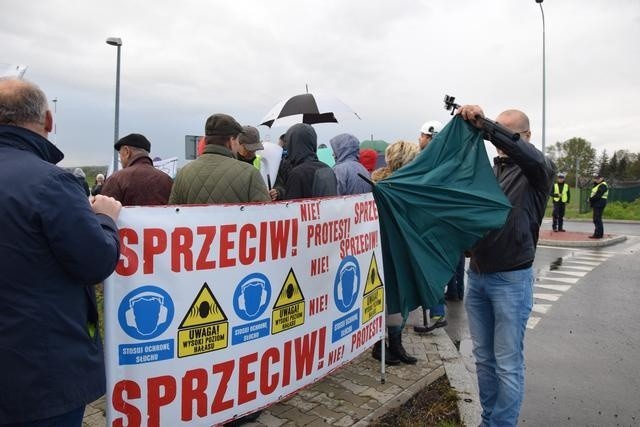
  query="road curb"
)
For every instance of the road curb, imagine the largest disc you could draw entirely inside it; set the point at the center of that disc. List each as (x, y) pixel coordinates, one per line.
(460, 379)
(608, 241)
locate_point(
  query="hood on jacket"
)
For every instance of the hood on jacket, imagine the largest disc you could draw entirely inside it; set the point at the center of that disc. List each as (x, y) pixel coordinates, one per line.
(345, 147)
(79, 173)
(369, 159)
(301, 142)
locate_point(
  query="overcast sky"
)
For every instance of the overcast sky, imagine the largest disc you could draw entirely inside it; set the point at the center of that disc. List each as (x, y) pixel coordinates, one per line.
(391, 61)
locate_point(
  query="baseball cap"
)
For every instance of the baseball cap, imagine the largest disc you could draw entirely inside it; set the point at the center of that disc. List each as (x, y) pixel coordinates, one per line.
(561, 175)
(597, 175)
(250, 138)
(222, 124)
(431, 127)
(133, 140)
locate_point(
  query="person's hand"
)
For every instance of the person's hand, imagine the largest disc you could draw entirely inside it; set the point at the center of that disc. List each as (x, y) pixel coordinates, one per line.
(107, 206)
(274, 194)
(472, 113)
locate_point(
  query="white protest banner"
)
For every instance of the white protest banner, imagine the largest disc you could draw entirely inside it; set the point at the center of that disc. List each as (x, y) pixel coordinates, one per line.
(168, 166)
(216, 311)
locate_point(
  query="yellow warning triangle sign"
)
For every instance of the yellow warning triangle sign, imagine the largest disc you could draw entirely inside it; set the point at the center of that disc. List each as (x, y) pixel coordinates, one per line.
(290, 291)
(373, 276)
(204, 309)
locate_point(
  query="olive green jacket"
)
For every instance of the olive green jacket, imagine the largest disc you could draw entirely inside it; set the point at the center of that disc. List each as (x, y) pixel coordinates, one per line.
(217, 177)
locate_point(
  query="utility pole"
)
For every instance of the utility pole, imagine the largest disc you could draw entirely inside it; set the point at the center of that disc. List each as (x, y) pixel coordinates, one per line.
(55, 120)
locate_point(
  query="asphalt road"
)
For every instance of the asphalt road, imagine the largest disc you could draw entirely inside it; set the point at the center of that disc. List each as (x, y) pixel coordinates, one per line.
(583, 341)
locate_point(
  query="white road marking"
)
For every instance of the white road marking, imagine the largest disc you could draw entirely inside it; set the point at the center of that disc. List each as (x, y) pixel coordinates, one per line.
(532, 322)
(547, 297)
(576, 261)
(560, 279)
(541, 308)
(559, 288)
(590, 258)
(570, 273)
(578, 267)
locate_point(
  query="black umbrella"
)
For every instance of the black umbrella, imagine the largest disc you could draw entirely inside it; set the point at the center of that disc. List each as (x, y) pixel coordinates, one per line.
(306, 108)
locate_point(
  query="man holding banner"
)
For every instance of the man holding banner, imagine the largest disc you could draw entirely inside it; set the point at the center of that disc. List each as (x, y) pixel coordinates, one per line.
(54, 247)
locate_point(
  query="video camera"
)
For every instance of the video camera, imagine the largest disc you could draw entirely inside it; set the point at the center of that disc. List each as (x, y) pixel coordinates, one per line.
(490, 127)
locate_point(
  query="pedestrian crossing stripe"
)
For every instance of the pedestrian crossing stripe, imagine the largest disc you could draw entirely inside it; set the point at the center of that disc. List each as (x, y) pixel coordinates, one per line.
(532, 322)
(204, 309)
(571, 273)
(578, 267)
(547, 297)
(577, 261)
(541, 308)
(561, 288)
(290, 292)
(373, 276)
(561, 279)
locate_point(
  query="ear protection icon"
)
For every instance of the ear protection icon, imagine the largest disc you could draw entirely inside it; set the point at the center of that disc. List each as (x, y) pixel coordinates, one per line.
(133, 316)
(352, 289)
(242, 304)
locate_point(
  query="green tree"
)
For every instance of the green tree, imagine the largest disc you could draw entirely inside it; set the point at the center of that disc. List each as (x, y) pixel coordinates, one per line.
(634, 168)
(612, 170)
(573, 156)
(603, 163)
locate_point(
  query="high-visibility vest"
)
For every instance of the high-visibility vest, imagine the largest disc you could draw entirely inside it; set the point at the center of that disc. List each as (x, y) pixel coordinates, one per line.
(256, 162)
(594, 190)
(562, 195)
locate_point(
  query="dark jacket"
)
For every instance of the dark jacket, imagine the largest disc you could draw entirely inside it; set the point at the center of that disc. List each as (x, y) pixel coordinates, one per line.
(53, 250)
(139, 184)
(346, 149)
(526, 177)
(597, 200)
(307, 176)
(97, 189)
(85, 185)
(217, 177)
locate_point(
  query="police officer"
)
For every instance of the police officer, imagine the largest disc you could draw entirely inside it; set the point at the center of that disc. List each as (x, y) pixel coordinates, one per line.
(561, 197)
(598, 200)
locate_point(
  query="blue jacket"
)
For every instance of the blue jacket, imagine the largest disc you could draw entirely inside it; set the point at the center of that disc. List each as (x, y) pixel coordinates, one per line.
(346, 148)
(53, 250)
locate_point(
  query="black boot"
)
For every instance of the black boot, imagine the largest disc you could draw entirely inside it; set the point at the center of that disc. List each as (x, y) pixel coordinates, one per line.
(389, 358)
(396, 349)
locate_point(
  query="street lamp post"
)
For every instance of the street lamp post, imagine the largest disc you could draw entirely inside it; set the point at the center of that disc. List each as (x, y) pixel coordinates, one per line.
(55, 119)
(544, 89)
(115, 41)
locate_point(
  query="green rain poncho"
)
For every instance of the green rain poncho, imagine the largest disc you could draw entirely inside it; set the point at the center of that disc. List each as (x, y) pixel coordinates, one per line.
(433, 209)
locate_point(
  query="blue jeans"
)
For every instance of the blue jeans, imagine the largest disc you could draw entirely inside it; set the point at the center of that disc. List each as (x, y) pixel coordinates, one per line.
(69, 419)
(498, 307)
(437, 310)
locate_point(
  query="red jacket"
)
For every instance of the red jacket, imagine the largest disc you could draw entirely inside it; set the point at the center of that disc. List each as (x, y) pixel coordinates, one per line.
(139, 184)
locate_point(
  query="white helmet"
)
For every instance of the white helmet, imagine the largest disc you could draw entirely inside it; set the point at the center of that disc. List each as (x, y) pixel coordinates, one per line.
(431, 127)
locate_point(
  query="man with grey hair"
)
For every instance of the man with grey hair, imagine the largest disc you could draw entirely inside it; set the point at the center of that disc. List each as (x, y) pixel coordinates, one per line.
(55, 245)
(138, 183)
